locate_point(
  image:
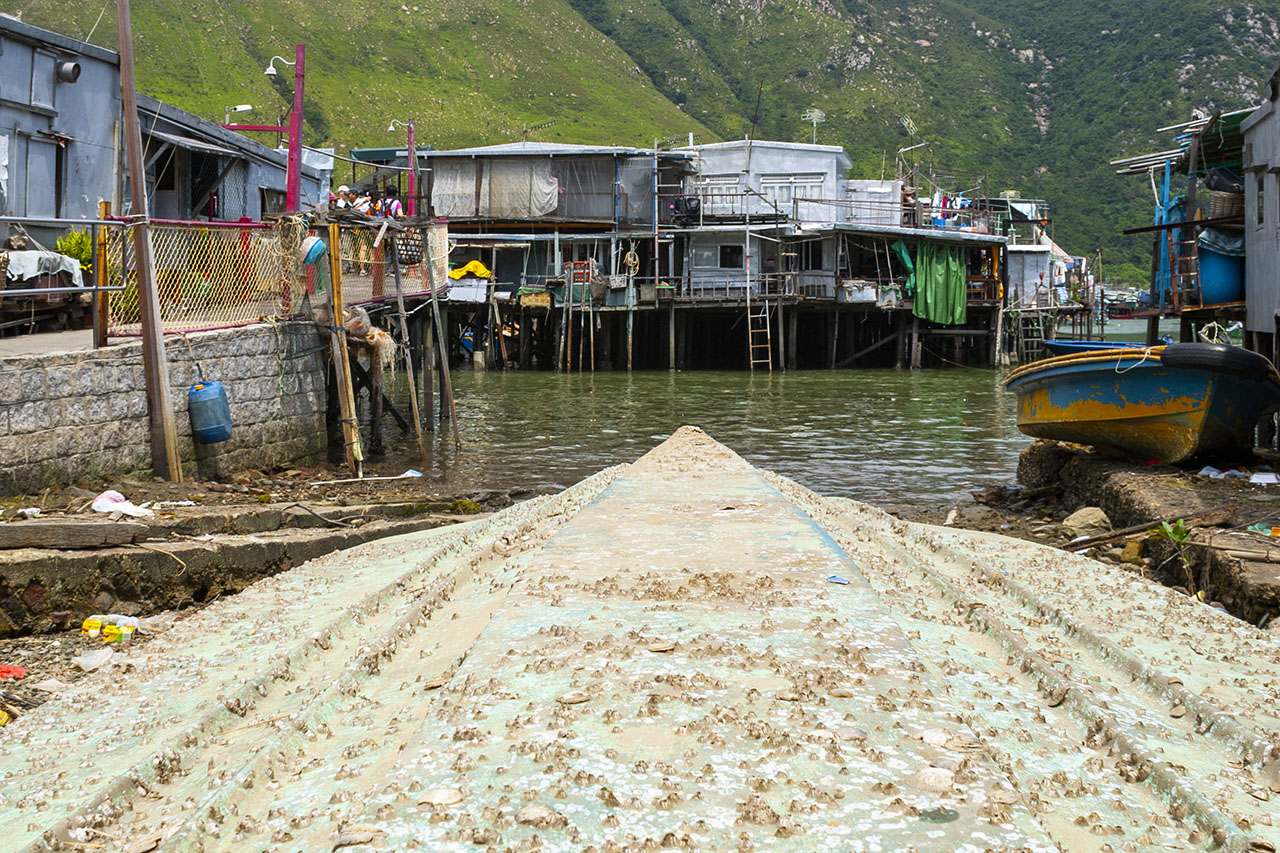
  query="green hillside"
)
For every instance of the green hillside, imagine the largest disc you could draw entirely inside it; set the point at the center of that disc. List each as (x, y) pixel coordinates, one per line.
(1033, 95)
(469, 72)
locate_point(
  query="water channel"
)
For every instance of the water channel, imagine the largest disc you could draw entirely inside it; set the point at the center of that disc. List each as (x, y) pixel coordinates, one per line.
(888, 437)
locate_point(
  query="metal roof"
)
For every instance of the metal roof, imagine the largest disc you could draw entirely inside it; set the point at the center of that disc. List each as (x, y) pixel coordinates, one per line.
(551, 149)
(20, 29)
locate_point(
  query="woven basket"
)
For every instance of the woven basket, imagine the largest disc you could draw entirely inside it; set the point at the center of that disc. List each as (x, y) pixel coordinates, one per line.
(1222, 205)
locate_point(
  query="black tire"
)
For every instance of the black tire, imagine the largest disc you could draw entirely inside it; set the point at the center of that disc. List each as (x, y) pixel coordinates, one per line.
(1217, 357)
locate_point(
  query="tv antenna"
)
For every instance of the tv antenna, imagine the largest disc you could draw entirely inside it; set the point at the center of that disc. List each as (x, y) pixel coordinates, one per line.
(526, 129)
(815, 116)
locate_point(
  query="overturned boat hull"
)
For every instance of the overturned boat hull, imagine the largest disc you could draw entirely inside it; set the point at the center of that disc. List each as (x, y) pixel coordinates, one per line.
(683, 653)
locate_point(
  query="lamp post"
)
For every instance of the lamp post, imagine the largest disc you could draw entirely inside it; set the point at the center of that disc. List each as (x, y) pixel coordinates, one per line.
(411, 160)
(294, 168)
(238, 108)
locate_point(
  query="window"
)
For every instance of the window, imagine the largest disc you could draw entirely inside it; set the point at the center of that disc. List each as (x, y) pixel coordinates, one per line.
(706, 256)
(730, 257)
(720, 194)
(273, 201)
(781, 190)
(42, 73)
(813, 255)
(1261, 182)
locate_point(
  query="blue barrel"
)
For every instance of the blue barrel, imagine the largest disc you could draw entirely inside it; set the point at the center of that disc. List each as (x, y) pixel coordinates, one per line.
(210, 412)
(1221, 277)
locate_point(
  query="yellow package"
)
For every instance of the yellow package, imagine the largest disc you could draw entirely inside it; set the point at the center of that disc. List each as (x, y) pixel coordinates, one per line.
(91, 624)
(117, 634)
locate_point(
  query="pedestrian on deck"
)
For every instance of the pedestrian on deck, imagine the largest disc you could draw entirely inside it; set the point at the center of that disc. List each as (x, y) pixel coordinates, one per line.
(391, 206)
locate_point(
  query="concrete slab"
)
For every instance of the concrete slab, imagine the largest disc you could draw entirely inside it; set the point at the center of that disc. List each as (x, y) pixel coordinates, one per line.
(685, 653)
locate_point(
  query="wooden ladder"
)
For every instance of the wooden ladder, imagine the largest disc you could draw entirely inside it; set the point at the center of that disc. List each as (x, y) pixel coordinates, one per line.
(759, 336)
(1031, 336)
(1184, 267)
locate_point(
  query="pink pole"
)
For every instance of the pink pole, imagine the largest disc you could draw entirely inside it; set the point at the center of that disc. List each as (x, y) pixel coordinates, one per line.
(413, 159)
(294, 176)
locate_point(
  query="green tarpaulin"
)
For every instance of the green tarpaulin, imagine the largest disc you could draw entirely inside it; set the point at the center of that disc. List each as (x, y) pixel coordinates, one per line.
(904, 255)
(941, 288)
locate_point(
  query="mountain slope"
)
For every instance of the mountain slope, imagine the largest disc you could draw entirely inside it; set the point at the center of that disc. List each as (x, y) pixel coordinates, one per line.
(469, 71)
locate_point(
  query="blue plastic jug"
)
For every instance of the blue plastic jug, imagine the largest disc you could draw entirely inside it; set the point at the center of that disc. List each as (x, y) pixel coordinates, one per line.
(210, 412)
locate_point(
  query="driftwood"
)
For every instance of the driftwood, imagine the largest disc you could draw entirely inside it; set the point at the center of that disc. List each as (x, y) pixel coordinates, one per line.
(59, 533)
(1208, 518)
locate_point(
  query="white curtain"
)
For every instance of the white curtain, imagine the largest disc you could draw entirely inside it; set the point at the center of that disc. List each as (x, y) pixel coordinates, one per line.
(508, 188)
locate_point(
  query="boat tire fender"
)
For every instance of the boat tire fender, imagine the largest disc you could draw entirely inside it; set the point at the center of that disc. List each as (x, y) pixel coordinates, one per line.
(1218, 357)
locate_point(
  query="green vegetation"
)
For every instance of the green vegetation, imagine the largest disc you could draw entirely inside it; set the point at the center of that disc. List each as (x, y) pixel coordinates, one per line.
(1031, 95)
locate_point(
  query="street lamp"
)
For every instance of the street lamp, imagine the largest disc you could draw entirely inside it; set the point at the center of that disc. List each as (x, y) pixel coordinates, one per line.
(238, 108)
(271, 66)
(293, 174)
(412, 160)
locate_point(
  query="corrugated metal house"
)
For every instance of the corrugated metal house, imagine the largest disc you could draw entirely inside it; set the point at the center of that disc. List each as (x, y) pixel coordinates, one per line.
(59, 110)
(61, 150)
(1261, 162)
(199, 170)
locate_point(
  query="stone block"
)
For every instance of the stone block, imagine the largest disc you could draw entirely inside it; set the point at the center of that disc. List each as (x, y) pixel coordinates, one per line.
(118, 406)
(10, 384)
(73, 411)
(33, 383)
(50, 413)
(23, 418)
(97, 410)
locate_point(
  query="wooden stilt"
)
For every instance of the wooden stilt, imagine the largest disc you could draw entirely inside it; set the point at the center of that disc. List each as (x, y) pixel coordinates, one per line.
(428, 373)
(410, 372)
(671, 337)
(341, 361)
(915, 343)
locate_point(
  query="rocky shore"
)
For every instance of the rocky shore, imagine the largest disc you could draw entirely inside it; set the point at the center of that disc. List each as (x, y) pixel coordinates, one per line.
(1068, 495)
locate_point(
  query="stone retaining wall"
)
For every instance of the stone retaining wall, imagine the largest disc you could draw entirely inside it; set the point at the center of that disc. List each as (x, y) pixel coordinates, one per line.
(65, 417)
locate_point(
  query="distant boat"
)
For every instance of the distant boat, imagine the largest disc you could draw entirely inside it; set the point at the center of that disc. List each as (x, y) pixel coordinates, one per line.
(1166, 403)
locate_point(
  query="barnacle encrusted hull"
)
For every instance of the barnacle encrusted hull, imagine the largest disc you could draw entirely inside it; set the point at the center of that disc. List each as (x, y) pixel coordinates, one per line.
(683, 653)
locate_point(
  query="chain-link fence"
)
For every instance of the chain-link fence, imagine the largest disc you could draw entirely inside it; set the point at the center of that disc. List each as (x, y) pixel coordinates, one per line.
(209, 275)
(367, 273)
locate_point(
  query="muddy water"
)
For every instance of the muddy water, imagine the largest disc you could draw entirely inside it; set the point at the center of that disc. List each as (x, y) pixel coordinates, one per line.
(887, 437)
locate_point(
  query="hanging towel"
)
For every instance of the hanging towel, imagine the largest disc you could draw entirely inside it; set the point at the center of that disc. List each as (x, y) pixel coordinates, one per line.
(941, 287)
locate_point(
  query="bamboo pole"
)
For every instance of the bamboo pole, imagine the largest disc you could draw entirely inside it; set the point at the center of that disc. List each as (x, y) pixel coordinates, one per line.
(341, 366)
(443, 338)
(101, 276)
(408, 354)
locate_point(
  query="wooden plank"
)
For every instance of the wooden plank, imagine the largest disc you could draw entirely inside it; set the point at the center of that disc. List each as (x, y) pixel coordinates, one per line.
(164, 433)
(341, 361)
(59, 533)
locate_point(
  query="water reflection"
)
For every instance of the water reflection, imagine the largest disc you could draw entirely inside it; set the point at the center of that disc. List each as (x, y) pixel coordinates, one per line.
(886, 437)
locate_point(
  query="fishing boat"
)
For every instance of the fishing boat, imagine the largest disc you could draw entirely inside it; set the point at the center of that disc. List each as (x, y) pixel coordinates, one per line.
(1068, 347)
(1166, 403)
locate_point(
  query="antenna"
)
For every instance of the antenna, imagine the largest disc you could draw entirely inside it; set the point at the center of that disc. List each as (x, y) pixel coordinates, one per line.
(526, 129)
(816, 116)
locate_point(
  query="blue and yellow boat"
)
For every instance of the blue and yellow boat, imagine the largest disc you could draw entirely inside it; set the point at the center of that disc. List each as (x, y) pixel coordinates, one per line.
(1166, 403)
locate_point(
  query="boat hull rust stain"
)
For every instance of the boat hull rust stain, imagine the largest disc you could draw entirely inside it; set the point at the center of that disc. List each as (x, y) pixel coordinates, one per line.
(655, 658)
